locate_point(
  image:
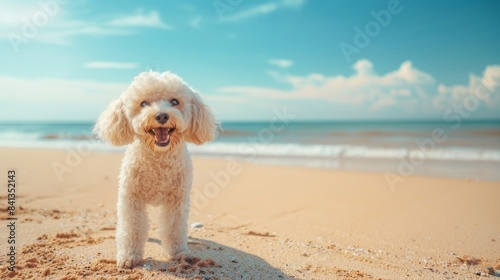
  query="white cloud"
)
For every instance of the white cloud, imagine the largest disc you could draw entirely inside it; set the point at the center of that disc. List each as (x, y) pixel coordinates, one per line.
(13, 13)
(264, 9)
(63, 36)
(364, 87)
(60, 27)
(283, 63)
(406, 92)
(485, 88)
(61, 99)
(363, 67)
(140, 19)
(253, 12)
(110, 65)
(384, 101)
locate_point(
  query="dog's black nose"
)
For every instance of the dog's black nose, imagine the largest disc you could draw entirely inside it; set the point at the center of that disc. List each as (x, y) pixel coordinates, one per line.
(161, 118)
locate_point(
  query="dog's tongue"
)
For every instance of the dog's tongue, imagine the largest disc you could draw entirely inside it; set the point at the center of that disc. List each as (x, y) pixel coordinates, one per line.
(161, 135)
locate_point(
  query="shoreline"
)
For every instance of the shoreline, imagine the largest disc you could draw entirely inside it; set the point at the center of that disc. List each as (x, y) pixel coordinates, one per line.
(297, 222)
(403, 167)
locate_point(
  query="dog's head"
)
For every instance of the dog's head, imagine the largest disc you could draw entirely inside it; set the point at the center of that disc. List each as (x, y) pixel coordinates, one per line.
(160, 110)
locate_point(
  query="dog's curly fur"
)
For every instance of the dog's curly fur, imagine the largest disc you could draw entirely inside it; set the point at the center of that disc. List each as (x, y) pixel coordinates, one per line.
(156, 168)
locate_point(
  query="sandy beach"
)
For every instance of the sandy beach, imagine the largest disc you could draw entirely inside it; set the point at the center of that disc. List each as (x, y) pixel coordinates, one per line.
(258, 222)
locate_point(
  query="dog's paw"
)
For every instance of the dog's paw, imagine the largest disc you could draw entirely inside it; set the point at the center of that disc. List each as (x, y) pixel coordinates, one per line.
(182, 254)
(128, 261)
(176, 254)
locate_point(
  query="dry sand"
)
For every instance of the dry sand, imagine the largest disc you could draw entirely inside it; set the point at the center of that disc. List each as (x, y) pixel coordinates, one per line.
(261, 222)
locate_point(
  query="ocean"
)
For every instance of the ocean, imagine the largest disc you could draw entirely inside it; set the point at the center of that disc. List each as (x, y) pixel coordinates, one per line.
(468, 150)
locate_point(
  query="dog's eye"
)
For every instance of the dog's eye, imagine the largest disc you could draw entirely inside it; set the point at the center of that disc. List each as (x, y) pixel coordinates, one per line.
(174, 102)
(144, 103)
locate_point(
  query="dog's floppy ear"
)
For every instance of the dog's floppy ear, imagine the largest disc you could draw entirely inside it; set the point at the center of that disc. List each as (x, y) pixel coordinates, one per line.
(203, 126)
(113, 126)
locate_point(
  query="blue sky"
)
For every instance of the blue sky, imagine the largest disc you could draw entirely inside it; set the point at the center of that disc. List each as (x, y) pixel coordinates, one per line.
(66, 60)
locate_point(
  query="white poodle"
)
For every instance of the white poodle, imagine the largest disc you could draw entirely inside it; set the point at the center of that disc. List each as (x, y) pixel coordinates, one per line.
(156, 115)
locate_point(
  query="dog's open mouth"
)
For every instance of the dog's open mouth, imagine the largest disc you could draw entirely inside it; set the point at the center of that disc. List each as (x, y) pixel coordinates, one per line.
(162, 135)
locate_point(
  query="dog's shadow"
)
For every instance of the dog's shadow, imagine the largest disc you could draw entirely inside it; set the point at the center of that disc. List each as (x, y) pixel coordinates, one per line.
(212, 260)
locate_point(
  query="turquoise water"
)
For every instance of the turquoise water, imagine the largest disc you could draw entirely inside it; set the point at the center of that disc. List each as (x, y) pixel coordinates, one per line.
(474, 134)
(465, 150)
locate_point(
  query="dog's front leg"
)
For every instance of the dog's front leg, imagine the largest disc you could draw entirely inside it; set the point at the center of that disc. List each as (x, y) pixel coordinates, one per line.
(173, 228)
(131, 232)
